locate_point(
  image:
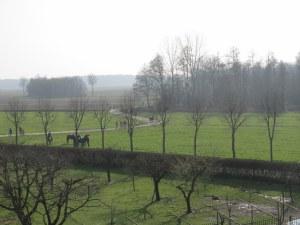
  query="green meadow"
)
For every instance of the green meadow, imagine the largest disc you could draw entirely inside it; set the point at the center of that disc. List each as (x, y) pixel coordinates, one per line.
(118, 202)
(213, 140)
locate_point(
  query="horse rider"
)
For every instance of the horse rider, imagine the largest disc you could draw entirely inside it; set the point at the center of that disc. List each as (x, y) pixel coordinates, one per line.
(49, 138)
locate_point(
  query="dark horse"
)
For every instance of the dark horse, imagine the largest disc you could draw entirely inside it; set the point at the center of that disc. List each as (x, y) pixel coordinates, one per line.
(79, 140)
(84, 140)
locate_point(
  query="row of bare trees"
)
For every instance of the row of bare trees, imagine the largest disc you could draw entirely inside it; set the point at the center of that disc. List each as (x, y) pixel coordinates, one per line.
(185, 79)
(233, 109)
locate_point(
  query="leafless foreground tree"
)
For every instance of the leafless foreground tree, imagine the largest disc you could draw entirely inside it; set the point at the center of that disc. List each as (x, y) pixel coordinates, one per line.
(188, 172)
(34, 184)
(16, 115)
(47, 116)
(155, 167)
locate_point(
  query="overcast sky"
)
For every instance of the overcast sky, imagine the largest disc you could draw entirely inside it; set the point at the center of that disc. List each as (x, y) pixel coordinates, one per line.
(77, 37)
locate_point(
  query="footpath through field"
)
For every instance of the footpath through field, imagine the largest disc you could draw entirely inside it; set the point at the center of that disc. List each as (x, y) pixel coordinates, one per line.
(146, 121)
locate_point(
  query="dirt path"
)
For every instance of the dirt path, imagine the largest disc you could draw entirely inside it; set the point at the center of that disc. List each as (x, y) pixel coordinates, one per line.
(143, 119)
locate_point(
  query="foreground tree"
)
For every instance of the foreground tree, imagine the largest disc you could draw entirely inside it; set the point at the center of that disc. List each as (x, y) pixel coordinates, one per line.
(128, 108)
(156, 167)
(33, 184)
(47, 116)
(92, 80)
(77, 110)
(16, 115)
(188, 172)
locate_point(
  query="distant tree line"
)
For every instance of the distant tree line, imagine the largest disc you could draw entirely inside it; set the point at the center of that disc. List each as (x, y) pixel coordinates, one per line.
(186, 73)
(56, 87)
(185, 79)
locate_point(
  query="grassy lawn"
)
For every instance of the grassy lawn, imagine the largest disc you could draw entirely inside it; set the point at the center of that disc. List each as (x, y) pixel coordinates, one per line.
(127, 205)
(214, 136)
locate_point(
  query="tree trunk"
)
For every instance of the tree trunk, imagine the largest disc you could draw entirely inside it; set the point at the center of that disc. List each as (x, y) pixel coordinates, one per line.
(46, 136)
(195, 141)
(233, 143)
(76, 144)
(156, 190)
(133, 183)
(271, 149)
(163, 138)
(16, 132)
(131, 141)
(188, 205)
(108, 175)
(102, 138)
(24, 220)
(148, 101)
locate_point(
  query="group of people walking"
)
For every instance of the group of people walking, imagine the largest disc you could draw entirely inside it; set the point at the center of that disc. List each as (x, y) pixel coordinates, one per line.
(22, 132)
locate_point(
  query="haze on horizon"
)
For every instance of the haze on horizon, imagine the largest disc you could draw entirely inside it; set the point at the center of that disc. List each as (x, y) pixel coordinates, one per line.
(78, 37)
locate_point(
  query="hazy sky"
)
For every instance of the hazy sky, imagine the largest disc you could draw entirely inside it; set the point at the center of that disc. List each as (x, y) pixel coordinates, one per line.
(71, 37)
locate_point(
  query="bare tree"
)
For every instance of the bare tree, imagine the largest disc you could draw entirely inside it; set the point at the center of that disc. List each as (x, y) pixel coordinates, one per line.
(198, 106)
(103, 116)
(172, 62)
(233, 97)
(188, 172)
(162, 108)
(156, 167)
(33, 184)
(233, 107)
(47, 116)
(128, 108)
(23, 83)
(145, 85)
(269, 100)
(270, 113)
(164, 98)
(92, 80)
(77, 110)
(16, 115)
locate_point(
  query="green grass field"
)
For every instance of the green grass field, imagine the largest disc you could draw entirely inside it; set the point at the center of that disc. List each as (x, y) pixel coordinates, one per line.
(127, 204)
(214, 136)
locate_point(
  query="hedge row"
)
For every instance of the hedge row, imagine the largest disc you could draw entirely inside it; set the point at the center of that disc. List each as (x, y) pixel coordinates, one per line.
(115, 159)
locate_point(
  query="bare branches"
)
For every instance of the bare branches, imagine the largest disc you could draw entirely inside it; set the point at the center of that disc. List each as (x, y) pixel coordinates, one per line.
(16, 114)
(92, 80)
(188, 173)
(269, 103)
(47, 116)
(34, 183)
(128, 108)
(102, 115)
(78, 107)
